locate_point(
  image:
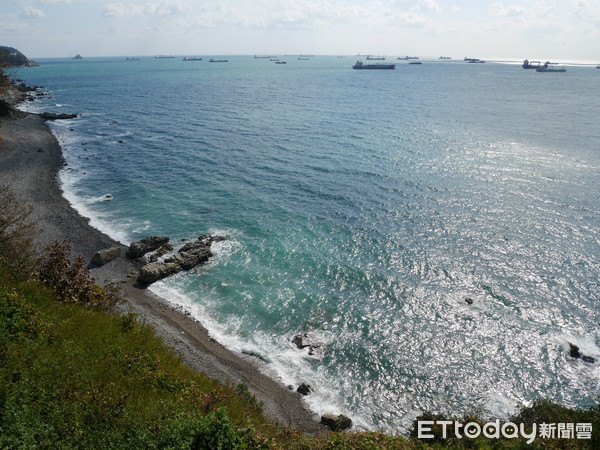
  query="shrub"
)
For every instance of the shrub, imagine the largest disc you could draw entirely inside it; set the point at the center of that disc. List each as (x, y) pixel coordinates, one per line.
(71, 281)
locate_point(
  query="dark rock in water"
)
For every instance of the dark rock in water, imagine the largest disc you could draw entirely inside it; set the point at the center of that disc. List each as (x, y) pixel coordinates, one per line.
(304, 389)
(315, 347)
(108, 254)
(336, 423)
(468, 300)
(149, 244)
(575, 353)
(186, 258)
(52, 116)
(302, 340)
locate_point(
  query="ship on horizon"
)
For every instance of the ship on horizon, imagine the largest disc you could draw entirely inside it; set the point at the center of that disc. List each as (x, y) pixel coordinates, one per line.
(360, 66)
(531, 64)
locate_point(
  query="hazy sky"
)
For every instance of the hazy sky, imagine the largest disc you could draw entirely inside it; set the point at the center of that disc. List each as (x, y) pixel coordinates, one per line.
(537, 29)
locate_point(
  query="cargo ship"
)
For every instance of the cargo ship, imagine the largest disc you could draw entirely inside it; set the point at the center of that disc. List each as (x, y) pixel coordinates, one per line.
(359, 65)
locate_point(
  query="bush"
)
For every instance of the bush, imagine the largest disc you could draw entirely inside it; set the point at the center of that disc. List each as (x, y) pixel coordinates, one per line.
(71, 280)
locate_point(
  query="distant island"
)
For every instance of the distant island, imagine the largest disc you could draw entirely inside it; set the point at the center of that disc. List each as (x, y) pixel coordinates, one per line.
(11, 57)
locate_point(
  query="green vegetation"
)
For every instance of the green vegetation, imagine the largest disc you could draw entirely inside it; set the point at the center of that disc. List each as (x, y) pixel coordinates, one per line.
(11, 57)
(73, 374)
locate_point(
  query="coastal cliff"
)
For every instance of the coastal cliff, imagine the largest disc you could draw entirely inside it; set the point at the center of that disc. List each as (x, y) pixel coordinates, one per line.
(11, 57)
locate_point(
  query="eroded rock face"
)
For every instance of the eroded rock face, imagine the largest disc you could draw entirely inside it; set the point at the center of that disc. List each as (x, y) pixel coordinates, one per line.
(336, 423)
(147, 245)
(187, 257)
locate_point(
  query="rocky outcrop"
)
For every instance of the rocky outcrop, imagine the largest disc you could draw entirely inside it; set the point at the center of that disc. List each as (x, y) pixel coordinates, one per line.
(104, 256)
(304, 389)
(53, 116)
(147, 245)
(336, 423)
(574, 352)
(315, 347)
(162, 251)
(186, 258)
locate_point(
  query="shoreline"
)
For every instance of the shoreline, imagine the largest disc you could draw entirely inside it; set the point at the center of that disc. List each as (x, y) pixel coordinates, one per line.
(30, 160)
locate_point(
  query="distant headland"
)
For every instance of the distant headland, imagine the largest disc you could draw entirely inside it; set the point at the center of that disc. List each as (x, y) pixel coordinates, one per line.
(11, 57)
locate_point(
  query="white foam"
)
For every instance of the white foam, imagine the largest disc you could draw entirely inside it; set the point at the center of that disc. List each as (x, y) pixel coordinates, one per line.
(287, 364)
(69, 178)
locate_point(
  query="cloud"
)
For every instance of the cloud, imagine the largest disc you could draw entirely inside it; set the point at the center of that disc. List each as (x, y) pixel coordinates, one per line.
(427, 5)
(410, 20)
(161, 8)
(507, 11)
(12, 26)
(29, 12)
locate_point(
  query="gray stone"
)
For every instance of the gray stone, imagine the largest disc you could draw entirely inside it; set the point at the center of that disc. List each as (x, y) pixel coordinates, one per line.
(304, 389)
(108, 254)
(149, 244)
(336, 423)
(186, 258)
(162, 251)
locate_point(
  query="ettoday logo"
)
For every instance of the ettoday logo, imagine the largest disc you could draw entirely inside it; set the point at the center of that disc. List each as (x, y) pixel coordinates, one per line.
(507, 430)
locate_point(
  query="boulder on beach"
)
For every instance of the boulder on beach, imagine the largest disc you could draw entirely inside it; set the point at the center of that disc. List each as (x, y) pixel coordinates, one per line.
(186, 258)
(336, 423)
(304, 389)
(106, 255)
(140, 248)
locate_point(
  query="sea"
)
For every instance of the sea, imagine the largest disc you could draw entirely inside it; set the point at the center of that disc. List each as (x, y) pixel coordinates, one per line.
(436, 227)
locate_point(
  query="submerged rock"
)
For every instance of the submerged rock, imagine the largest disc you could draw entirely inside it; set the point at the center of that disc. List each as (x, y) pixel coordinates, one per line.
(336, 423)
(147, 245)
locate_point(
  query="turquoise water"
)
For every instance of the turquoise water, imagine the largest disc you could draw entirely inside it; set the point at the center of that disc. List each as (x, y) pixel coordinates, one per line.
(362, 207)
